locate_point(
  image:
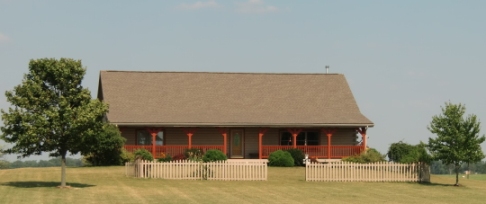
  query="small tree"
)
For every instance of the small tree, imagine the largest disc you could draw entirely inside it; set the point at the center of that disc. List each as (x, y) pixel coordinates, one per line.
(458, 140)
(51, 112)
(106, 147)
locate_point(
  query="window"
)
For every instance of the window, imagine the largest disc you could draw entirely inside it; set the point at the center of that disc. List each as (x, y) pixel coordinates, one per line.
(304, 138)
(144, 138)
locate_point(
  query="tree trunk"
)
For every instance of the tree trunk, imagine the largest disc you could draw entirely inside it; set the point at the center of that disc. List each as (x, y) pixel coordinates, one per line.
(457, 175)
(63, 170)
(468, 171)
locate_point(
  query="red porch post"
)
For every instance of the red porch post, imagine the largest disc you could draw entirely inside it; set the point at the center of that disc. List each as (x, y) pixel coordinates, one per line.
(329, 132)
(224, 132)
(362, 131)
(189, 132)
(153, 132)
(295, 133)
(261, 132)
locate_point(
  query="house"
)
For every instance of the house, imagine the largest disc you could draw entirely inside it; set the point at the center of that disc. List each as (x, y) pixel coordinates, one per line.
(245, 115)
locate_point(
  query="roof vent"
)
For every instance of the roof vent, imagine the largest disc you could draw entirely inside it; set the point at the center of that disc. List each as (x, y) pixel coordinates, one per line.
(327, 69)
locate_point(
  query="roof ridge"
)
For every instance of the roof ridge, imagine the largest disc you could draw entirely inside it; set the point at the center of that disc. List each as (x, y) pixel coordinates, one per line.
(202, 72)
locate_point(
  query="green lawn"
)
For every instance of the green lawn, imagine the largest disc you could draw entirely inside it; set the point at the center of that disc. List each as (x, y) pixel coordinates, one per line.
(461, 178)
(285, 185)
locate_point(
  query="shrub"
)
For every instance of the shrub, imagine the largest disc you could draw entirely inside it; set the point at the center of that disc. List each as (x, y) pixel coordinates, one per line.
(179, 157)
(106, 147)
(164, 158)
(143, 154)
(297, 155)
(194, 154)
(405, 153)
(126, 156)
(280, 158)
(371, 155)
(214, 155)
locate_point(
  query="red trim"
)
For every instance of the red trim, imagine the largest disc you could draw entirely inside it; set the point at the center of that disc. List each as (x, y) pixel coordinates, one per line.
(261, 132)
(224, 132)
(318, 151)
(189, 132)
(329, 132)
(153, 132)
(295, 132)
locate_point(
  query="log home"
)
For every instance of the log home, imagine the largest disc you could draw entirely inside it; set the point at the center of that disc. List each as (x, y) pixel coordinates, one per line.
(245, 115)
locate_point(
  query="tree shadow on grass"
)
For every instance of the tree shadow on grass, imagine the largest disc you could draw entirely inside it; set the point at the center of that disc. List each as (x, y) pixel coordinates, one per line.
(436, 184)
(43, 184)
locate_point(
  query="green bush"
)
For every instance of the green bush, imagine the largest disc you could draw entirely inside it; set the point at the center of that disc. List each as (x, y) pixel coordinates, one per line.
(126, 156)
(405, 153)
(143, 154)
(214, 155)
(297, 155)
(106, 148)
(370, 156)
(166, 158)
(280, 158)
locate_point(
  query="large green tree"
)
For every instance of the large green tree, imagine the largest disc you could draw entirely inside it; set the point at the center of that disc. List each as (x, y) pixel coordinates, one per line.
(52, 112)
(458, 140)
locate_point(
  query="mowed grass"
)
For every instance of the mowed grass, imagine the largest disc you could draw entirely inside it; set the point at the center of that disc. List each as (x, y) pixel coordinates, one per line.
(463, 176)
(284, 185)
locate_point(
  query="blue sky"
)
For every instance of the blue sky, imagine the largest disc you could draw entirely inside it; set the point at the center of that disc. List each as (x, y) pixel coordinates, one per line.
(402, 59)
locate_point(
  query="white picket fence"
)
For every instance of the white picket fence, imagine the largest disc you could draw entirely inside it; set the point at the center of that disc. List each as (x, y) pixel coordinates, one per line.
(191, 170)
(372, 172)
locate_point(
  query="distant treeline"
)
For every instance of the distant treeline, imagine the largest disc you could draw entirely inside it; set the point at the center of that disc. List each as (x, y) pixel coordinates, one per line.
(437, 167)
(41, 163)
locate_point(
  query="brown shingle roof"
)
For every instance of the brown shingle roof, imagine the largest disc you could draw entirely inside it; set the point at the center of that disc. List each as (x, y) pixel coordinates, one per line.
(229, 99)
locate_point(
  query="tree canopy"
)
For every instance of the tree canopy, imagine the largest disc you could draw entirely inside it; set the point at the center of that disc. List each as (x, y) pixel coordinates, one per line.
(402, 152)
(106, 148)
(458, 140)
(52, 112)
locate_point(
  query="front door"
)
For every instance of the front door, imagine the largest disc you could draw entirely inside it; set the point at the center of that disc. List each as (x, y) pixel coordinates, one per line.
(236, 146)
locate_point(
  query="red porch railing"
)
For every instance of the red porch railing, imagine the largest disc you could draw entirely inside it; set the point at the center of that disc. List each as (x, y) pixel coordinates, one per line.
(320, 151)
(171, 149)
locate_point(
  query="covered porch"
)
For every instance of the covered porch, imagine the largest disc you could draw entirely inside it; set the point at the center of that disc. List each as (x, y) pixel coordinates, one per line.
(251, 148)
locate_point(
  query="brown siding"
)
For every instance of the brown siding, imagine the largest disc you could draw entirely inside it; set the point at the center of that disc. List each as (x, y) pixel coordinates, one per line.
(340, 137)
(271, 137)
(129, 135)
(202, 136)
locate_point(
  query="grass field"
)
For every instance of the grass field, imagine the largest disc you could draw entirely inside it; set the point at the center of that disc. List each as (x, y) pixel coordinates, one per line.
(471, 177)
(284, 185)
